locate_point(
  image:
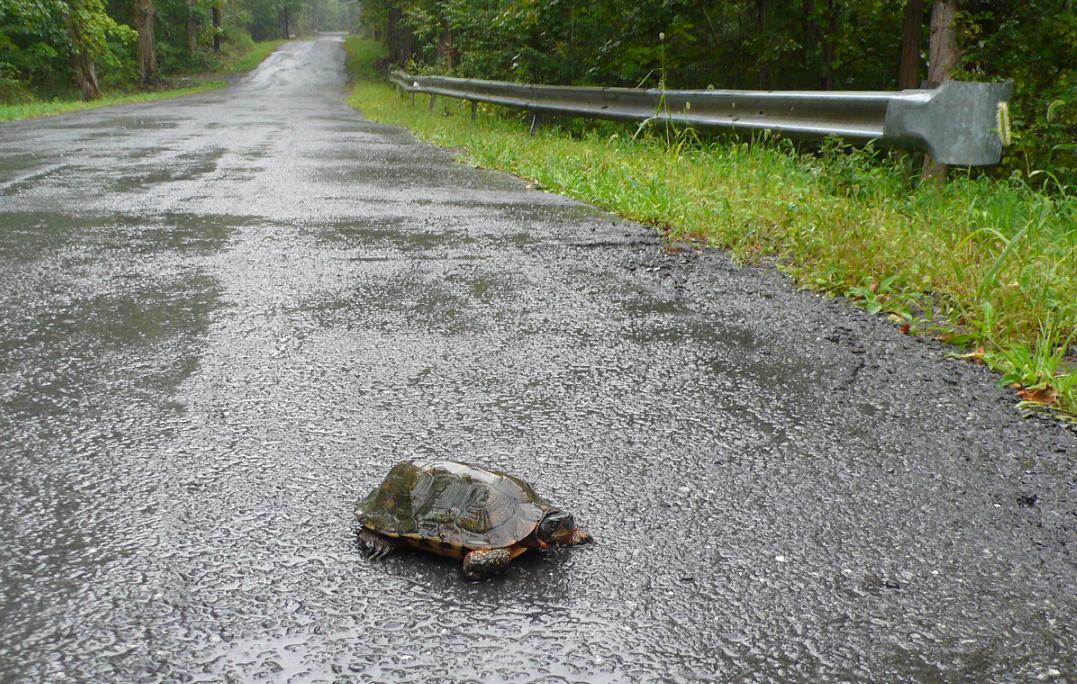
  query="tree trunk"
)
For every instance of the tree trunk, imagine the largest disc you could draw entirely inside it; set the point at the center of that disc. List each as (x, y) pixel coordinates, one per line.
(943, 53)
(216, 13)
(192, 27)
(86, 77)
(911, 32)
(810, 29)
(401, 40)
(83, 64)
(444, 51)
(572, 71)
(943, 56)
(145, 15)
(287, 28)
(830, 47)
(392, 38)
(761, 28)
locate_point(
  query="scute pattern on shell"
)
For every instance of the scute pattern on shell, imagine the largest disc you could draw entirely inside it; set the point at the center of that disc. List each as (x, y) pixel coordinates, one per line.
(454, 502)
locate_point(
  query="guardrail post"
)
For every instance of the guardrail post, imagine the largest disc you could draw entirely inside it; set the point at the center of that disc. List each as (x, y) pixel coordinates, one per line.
(474, 109)
(433, 101)
(956, 123)
(413, 98)
(536, 122)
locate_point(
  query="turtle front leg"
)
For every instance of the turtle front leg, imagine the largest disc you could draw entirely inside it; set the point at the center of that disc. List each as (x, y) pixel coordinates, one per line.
(481, 563)
(376, 546)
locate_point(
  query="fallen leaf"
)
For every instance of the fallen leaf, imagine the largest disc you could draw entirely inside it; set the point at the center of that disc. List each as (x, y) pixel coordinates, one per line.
(904, 329)
(976, 355)
(1043, 395)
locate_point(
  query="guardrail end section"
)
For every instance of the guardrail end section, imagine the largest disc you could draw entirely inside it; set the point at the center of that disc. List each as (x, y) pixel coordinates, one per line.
(957, 123)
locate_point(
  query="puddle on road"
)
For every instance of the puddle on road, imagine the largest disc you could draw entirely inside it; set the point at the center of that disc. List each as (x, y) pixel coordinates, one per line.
(186, 167)
(53, 175)
(403, 302)
(133, 121)
(37, 235)
(15, 166)
(104, 318)
(383, 170)
(143, 153)
(395, 234)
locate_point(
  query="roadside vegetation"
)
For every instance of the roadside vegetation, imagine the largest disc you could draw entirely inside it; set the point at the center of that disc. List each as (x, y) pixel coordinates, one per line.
(35, 108)
(989, 265)
(245, 61)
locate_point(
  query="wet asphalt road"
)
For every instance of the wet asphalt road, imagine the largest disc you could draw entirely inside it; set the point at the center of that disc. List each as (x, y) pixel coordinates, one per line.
(224, 317)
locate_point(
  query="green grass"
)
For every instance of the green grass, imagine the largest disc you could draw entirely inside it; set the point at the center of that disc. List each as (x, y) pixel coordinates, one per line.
(990, 266)
(50, 108)
(361, 57)
(238, 64)
(229, 64)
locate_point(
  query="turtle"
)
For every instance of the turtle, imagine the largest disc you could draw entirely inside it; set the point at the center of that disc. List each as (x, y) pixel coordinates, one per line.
(484, 517)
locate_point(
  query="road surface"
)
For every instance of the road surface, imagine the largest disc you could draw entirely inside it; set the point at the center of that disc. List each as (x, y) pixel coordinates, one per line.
(224, 318)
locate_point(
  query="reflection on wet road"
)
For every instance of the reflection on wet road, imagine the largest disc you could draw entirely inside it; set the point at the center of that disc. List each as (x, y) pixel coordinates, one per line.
(224, 317)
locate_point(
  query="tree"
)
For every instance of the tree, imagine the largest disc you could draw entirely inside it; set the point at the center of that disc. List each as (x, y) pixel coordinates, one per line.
(912, 30)
(44, 39)
(145, 16)
(192, 26)
(216, 12)
(79, 28)
(943, 56)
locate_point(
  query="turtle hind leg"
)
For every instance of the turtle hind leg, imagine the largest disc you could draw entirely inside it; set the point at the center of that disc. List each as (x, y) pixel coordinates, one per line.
(376, 546)
(481, 563)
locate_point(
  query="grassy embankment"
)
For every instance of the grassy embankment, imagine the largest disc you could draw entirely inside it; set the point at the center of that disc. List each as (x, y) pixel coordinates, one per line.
(229, 64)
(248, 60)
(990, 266)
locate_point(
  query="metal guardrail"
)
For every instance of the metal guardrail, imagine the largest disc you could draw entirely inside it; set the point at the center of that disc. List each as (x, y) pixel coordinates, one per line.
(956, 123)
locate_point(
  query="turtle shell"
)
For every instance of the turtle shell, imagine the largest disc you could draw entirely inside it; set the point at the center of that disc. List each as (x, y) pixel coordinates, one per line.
(452, 502)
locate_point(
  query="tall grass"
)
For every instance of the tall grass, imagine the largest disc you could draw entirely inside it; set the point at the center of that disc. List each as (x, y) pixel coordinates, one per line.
(988, 265)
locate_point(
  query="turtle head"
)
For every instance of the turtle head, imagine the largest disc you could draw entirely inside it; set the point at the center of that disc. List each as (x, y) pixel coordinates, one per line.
(558, 527)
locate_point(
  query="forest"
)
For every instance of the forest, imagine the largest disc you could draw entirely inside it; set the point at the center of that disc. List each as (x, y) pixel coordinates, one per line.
(761, 44)
(50, 48)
